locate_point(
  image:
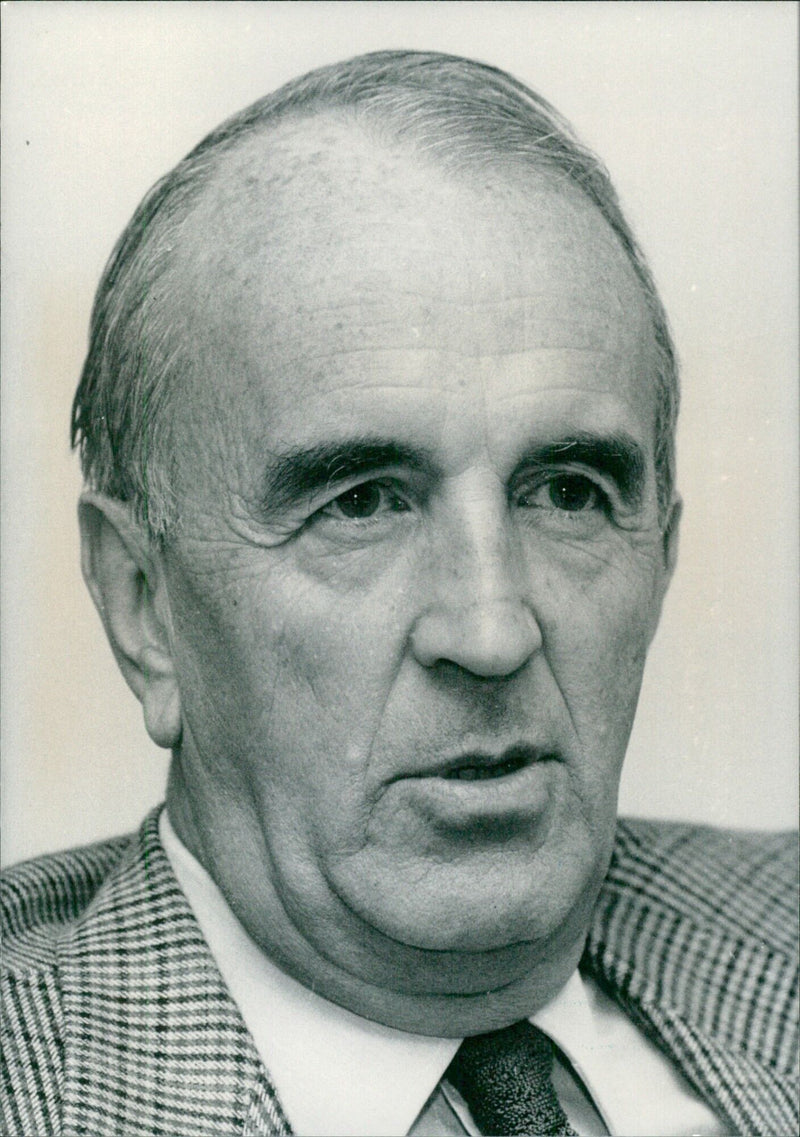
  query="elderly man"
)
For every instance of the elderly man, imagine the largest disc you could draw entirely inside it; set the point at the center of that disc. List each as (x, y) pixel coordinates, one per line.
(377, 428)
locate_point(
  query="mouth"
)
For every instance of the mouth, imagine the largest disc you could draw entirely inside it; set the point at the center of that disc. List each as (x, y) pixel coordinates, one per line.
(479, 766)
(486, 794)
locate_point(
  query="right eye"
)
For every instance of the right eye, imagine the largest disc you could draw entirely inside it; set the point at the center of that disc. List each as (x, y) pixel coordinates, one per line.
(365, 501)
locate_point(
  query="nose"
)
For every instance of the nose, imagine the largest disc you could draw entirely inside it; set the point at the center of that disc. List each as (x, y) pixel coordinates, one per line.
(489, 640)
(476, 613)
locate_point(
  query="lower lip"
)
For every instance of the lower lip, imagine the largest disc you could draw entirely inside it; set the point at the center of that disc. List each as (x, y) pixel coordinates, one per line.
(507, 802)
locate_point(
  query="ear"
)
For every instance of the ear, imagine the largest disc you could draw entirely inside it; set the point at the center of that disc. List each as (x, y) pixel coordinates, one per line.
(669, 552)
(125, 576)
(670, 538)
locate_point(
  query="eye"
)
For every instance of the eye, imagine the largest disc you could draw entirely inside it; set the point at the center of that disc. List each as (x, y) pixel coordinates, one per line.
(364, 501)
(569, 493)
(573, 493)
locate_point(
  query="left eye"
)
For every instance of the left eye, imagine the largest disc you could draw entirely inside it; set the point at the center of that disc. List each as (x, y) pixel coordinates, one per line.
(570, 493)
(364, 501)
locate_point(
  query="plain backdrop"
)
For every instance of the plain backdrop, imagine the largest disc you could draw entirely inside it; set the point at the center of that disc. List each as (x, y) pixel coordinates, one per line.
(692, 107)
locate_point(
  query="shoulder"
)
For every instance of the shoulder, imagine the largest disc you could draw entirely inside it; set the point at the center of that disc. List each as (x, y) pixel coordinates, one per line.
(743, 884)
(700, 926)
(40, 898)
(40, 902)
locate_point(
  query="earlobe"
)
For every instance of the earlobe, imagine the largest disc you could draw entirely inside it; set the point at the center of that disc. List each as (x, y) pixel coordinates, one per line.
(124, 575)
(160, 700)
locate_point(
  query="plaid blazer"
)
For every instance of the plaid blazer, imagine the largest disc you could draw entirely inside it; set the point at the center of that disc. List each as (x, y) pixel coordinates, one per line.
(116, 1020)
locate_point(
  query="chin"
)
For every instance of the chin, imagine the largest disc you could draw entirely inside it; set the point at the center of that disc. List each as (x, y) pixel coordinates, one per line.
(472, 911)
(503, 927)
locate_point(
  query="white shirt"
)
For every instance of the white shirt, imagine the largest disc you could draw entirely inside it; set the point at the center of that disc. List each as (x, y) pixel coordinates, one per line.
(339, 1074)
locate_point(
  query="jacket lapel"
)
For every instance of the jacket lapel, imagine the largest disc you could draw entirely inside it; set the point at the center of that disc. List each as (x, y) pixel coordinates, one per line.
(153, 1041)
(693, 986)
(739, 1088)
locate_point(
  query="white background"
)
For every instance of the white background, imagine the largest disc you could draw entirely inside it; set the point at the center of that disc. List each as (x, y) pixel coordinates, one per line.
(692, 107)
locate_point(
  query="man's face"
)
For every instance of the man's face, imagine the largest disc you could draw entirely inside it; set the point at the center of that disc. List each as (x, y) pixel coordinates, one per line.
(418, 570)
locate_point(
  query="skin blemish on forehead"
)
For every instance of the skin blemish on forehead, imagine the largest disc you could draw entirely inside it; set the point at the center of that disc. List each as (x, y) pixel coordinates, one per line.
(336, 209)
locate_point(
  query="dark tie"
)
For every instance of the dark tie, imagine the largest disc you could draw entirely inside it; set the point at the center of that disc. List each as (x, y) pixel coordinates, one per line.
(505, 1078)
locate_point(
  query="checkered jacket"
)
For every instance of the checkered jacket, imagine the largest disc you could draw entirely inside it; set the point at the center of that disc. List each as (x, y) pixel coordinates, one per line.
(117, 1022)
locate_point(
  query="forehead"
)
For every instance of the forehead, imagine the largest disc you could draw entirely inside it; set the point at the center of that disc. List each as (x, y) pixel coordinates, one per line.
(324, 268)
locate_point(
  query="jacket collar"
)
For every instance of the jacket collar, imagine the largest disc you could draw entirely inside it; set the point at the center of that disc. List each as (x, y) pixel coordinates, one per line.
(690, 976)
(153, 1042)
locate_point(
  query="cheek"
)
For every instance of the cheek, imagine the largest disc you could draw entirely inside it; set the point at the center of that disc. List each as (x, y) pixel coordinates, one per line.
(279, 671)
(597, 623)
(341, 640)
(228, 638)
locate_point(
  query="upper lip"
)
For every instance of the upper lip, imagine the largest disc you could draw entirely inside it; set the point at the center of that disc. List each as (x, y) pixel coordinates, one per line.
(519, 754)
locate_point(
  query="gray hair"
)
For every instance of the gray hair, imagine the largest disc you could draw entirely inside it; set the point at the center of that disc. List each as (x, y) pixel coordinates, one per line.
(456, 110)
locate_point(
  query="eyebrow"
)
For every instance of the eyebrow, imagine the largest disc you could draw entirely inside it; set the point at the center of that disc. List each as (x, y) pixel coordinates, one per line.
(305, 471)
(308, 470)
(617, 455)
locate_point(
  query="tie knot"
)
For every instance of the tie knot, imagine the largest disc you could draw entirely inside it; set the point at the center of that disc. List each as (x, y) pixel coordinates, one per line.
(505, 1077)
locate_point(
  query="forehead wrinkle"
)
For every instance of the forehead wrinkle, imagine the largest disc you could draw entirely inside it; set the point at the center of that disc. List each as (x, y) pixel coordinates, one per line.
(484, 328)
(476, 355)
(257, 319)
(579, 389)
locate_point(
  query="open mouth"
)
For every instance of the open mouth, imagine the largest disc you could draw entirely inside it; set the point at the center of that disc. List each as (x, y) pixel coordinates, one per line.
(481, 767)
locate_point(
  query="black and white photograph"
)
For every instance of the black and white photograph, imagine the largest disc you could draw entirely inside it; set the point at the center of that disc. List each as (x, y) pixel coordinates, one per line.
(399, 568)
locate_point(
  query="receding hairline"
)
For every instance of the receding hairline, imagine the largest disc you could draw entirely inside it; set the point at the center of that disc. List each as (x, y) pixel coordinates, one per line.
(460, 113)
(312, 152)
